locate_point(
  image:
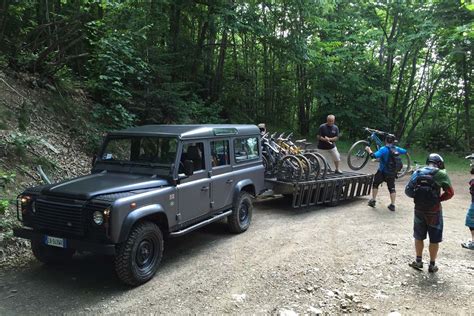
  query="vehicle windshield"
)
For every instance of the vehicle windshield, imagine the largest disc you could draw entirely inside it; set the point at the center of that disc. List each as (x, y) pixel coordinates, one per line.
(142, 150)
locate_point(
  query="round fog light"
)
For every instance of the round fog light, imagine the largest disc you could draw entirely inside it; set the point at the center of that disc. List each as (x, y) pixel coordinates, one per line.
(98, 218)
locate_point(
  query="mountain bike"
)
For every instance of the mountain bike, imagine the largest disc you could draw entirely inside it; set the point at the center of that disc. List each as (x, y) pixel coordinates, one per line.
(357, 157)
(313, 162)
(278, 163)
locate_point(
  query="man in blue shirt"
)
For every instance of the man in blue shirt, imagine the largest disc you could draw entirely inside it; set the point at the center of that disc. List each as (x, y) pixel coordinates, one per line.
(383, 174)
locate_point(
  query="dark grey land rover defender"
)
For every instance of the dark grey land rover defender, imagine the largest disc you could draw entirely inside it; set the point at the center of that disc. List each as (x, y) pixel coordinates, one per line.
(148, 183)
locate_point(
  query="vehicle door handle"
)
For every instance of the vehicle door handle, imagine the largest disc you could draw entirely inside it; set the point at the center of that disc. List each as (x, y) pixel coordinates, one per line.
(229, 181)
(204, 188)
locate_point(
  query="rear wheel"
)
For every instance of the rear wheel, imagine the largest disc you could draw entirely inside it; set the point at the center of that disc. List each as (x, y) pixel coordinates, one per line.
(49, 254)
(290, 168)
(241, 217)
(323, 164)
(357, 156)
(406, 165)
(138, 258)
(315, 165)
(307, 167)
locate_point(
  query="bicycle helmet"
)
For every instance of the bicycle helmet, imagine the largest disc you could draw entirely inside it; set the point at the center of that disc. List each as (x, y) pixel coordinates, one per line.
(435, 159)
(390, 138)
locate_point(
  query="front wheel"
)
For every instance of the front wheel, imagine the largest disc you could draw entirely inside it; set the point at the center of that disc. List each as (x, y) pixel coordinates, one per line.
(239, 220)
(357, 157)
(406, 160)
(139, 256)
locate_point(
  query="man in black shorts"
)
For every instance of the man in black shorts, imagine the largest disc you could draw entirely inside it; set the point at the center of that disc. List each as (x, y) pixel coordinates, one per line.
(383, 174)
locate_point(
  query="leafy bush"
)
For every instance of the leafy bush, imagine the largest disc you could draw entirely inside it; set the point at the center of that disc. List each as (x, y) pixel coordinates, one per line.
(21, 142)
(436, 138)
(3, 206)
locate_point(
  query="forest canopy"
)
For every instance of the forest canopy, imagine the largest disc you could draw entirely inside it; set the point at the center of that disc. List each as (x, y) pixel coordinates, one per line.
(400, 66)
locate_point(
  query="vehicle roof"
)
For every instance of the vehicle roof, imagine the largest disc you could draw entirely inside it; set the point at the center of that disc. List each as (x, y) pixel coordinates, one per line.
(190, 131)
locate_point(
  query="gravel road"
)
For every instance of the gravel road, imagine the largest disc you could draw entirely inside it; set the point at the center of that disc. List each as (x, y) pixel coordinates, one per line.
(348, 258)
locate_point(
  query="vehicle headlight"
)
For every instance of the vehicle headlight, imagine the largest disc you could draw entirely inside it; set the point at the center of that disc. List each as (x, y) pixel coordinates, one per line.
(98, 217)
(25, 201)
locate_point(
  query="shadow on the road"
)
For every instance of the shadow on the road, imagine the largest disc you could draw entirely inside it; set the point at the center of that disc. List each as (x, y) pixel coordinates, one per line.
(89, 279)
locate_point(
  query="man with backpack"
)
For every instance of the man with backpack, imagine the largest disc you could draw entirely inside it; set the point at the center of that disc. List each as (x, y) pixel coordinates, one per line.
(390, 165)
(425, 188)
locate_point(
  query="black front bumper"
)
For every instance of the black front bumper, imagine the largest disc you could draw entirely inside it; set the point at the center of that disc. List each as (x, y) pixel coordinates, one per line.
(81, 245)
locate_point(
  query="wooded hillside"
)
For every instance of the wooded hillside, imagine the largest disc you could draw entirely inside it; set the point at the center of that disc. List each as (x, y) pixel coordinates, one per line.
(405, 67)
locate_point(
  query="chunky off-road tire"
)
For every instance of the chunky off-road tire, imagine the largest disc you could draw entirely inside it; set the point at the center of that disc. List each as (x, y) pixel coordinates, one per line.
(49, 254)
(138, 258)
(239, 220)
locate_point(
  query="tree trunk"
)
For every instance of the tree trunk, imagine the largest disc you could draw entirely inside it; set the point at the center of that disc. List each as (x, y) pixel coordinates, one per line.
(467, 102)
(424, 110)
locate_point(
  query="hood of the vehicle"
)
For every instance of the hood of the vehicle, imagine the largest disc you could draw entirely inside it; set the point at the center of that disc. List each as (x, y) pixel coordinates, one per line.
(86, 187)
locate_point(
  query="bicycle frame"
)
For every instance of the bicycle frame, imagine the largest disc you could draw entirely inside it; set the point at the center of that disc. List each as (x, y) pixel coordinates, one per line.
(374, 138)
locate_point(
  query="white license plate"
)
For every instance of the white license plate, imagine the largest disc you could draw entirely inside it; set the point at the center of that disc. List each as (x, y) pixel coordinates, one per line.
(55, 242)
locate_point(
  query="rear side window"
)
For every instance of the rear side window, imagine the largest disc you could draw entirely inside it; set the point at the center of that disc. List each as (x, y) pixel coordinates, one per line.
(220, 153)
(245, 149)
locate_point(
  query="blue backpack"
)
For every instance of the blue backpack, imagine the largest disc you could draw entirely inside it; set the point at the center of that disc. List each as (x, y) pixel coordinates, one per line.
(426, 192)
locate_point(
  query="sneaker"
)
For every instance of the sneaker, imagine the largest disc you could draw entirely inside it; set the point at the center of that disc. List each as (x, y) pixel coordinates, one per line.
(468, 244)
(416, 265)
(371, 203)
(433, 268)
(391, 207)
(338, 172)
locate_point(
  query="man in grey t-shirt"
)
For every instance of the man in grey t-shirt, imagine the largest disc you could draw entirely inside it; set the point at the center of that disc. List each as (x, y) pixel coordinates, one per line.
(327, 136)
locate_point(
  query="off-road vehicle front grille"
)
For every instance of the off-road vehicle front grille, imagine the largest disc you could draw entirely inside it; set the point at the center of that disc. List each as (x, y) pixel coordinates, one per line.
(59, 216)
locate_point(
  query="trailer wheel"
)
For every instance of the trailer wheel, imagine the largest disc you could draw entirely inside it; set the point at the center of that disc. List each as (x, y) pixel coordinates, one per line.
(239, 220)
(139, 256)
(49, 254)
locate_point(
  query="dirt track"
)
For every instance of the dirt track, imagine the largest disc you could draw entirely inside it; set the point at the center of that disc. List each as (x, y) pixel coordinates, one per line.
(345, 258)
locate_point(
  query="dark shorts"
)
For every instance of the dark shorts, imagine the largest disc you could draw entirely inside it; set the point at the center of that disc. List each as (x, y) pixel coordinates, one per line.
(430, 223)
(382, 177)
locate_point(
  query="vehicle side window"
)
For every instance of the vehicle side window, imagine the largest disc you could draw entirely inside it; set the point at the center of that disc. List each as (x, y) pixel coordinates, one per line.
(194, 152)
(245, 149)
(220, 153)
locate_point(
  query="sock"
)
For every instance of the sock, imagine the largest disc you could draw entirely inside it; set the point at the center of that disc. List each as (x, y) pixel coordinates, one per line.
(432, 263)
(418, 258)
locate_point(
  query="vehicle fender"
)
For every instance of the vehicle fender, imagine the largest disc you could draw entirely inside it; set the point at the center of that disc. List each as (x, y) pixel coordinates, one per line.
(136, 215)
(241, 184)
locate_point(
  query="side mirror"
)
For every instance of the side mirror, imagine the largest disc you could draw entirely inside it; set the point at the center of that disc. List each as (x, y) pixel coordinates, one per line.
(188, 167)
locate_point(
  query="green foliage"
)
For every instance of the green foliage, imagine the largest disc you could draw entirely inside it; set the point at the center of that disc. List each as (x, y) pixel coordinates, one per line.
(116, 66)
(3, 207)
(396, 66)
(20, 143)
(115, 116)
(24, 115)
(435, 138)
(5, 179)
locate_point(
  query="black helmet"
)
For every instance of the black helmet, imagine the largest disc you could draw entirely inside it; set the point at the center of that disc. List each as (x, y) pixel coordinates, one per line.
(435, 159)
(390, 138)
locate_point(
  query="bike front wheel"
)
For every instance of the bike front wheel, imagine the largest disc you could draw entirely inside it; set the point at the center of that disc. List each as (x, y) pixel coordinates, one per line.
(357, 157)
